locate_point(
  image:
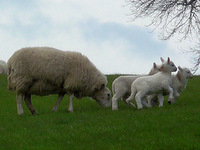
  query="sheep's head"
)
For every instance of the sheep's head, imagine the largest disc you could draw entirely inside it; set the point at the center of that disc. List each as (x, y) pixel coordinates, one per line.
(154, 69)
(185, 72)
(167, 65)
(103, 96)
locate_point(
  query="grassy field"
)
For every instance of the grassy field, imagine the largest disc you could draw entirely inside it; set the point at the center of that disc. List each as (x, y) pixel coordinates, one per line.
(171, 127)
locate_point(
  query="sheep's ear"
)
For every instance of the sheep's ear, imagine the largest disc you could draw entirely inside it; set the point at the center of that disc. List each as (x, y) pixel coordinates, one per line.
(154, 65)
(168, 60)
(161, 68)
(162, 59)
(181, 69)
(102, 87)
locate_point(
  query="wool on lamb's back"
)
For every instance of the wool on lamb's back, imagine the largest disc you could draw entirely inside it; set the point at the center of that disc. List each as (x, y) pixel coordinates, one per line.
(3, 67)
(70, 70)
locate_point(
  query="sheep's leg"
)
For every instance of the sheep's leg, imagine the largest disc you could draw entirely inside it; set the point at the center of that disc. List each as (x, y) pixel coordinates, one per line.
(130, 99)
(19, 99)
(171, 92)
(176, 95)
(71, 109)
(60, 97)
(28, 102)
(149, 100)
(124, 100)
(144, 102)
(161, 99)
(152, 100)
(115, 100)
(138, 100)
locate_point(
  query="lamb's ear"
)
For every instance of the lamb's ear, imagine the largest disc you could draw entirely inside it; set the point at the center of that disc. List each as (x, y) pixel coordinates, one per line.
(161, 68)
(168, 60)
(154, 65)
(162, 59)
(181, 69)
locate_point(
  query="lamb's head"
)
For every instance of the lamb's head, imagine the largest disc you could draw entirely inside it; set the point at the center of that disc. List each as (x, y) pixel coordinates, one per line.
(185, 72)
(167, 66)
(103, 96)
(154, 69)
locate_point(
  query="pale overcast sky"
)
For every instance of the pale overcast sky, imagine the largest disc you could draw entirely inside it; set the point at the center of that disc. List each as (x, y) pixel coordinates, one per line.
(100, 29)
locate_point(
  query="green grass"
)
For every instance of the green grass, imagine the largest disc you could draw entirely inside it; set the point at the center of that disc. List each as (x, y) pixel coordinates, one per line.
(174, 126)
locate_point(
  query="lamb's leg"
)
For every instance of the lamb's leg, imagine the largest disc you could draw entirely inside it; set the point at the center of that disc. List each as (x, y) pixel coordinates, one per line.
(116, 98)
(152, 100)
(176, 95)
(138, 100)
(124, 100)
(171, 92)
(19, 99)
(115, 101)
(28, 102)
(144, 102)
(130, 99)
(161, 99)
(71, 109)
(60, 97)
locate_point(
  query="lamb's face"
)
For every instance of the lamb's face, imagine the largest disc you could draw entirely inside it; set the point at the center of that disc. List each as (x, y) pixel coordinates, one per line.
(103, 97)
(186, 72)
(168, 65)
(155, 69)
(172, 67)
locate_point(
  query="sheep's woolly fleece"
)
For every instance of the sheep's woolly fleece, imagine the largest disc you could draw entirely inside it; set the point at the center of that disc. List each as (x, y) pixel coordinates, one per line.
(30, 67)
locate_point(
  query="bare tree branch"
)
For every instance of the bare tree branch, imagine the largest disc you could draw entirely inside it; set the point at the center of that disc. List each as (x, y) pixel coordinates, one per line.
(172, 17)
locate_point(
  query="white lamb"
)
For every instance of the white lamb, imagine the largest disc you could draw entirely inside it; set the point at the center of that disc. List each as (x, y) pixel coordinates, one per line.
(3, 67)
(154, 84)
(179, 83)
(121, 87)
(44, 70)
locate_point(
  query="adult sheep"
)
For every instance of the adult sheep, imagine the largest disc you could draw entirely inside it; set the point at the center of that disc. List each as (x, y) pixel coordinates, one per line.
(3, 67)
(44, 70)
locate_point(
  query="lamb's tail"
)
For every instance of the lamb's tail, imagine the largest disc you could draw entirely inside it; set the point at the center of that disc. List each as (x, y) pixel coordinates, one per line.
(132, 96)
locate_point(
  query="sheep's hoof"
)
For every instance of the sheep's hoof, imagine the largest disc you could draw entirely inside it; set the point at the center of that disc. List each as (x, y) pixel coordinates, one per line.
(131, 104)
(70, 111)
(54, 110)
(114, 108)
(34, 112)
(21, 114)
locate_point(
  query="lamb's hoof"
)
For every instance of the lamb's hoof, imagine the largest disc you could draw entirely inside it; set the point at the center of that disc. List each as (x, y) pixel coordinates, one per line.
(132, 105)
(70, 111)
(114, 108)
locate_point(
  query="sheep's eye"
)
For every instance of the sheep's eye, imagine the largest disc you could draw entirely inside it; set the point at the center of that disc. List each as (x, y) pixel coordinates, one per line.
(173, 65)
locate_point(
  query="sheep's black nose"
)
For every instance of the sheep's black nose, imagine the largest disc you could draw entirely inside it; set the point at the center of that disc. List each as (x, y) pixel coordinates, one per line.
(108, 94)
(169, 102)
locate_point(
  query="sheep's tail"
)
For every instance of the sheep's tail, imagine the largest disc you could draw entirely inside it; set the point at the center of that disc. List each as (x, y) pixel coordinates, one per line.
(132, 96)
(9, 85)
